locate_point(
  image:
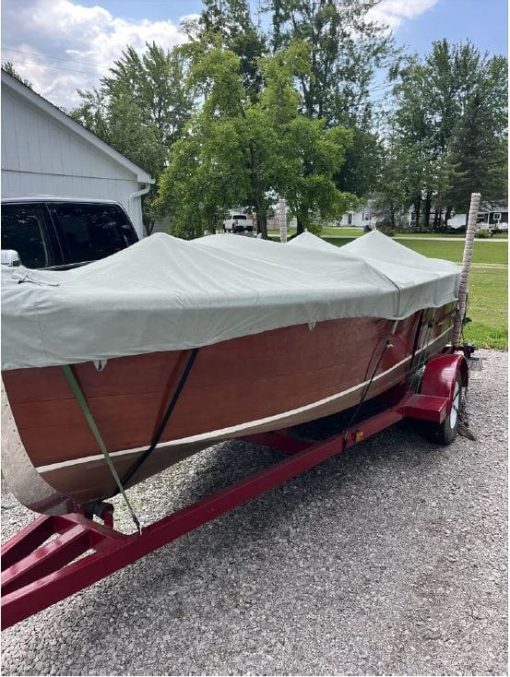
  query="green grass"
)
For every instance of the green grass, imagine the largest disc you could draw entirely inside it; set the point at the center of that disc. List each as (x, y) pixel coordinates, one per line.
(483, 252)
(488, 296)
(447, 236)
(342, 232)
(487, 308)
(496, 252)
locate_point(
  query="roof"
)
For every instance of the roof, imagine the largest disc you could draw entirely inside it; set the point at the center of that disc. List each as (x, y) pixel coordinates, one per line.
(67, 121)
(56, 198)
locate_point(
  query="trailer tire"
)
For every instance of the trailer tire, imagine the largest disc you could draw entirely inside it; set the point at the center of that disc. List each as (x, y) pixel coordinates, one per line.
(444, 433)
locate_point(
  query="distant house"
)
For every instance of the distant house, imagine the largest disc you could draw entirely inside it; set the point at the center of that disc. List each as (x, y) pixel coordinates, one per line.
(359, 219)
(369, 216)
(45, 152)
(495, 215)
(490, 217)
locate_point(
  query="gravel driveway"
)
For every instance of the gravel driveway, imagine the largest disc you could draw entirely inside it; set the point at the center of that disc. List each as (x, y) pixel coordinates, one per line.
(390, 559)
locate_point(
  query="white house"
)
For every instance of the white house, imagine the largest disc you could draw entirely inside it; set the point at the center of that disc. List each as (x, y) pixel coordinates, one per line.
(45, 152)
(367, 216)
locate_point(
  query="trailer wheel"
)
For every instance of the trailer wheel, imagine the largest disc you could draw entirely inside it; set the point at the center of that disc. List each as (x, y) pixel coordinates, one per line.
(444, 433)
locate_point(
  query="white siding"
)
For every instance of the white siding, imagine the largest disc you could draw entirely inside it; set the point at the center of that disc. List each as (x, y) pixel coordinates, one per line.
(358, 219)
(40, 156)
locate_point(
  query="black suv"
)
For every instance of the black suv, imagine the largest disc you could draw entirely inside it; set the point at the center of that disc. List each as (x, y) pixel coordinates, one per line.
(63, 233)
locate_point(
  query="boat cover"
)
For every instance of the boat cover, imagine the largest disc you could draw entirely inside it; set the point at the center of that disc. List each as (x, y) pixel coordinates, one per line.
(169, 294)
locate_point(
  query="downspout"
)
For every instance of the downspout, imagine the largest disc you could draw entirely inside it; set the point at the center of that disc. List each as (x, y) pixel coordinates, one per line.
(131, 199)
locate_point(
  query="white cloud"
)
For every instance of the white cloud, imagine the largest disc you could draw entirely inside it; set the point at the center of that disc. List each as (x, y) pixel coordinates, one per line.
(394, 12)
(61, 46)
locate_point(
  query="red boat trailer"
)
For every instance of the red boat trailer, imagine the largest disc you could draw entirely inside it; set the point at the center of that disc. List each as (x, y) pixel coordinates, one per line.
(37, 573)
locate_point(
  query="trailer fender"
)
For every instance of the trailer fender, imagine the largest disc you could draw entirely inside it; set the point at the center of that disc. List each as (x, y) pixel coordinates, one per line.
(440, 375)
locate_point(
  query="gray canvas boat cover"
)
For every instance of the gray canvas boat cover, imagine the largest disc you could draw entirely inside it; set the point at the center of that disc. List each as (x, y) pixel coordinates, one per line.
(169, 294)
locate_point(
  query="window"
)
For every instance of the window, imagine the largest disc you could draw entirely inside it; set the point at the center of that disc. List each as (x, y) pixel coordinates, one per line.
(92, 231)
(23, 229)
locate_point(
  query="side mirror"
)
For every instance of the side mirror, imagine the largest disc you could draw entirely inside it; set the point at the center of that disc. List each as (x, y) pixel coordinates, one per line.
(10, 257)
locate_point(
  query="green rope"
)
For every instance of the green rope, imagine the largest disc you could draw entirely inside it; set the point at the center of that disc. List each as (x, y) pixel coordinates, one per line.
(80, 398)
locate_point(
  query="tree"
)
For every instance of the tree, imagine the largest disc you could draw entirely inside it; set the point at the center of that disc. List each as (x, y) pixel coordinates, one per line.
(346, 48)
(478, 156)
(157, 83)
(140, 109)
(432, 96)
(239, 151)
(231, 20)
(363, 158)
(392, 193)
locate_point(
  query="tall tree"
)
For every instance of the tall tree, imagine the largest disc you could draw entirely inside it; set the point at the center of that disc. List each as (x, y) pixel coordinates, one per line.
(478, 157)
(157, 82)
(240, 151)
(230, 23)
(346, 48)
(431, 97)
(140, 109)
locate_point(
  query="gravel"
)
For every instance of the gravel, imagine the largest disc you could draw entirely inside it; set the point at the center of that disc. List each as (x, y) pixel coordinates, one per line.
(390, 559)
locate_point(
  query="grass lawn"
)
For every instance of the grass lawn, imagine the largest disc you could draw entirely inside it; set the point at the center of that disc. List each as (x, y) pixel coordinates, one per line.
(483, 252)
(356, 232)
(487, 308)
(341, 232)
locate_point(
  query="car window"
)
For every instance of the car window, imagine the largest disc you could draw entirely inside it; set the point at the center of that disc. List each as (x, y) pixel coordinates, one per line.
(24, 229)
(92, 231)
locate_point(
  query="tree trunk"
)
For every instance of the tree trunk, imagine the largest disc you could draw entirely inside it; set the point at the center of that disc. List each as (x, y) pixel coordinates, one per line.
(428, 204)
(447, 216)
(262, 225)
(300, 226)
(417, 210)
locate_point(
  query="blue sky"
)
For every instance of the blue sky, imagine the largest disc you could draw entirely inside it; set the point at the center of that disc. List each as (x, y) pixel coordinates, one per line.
(484, 22)
(65, 45)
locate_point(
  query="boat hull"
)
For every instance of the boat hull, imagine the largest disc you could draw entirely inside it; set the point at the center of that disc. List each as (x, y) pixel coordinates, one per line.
(236, 388)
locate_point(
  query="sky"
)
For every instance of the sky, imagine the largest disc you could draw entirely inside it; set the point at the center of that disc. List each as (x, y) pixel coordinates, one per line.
(65, 45)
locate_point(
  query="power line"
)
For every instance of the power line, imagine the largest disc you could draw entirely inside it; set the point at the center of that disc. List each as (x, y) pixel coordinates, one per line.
(38, 54)
(59, 68)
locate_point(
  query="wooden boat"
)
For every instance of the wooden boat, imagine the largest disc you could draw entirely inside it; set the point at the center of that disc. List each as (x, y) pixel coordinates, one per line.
(244, 385)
